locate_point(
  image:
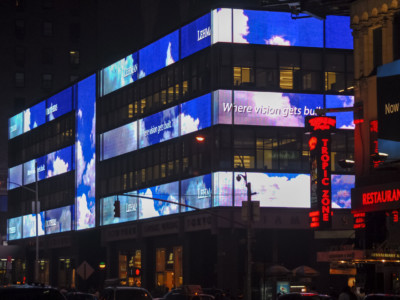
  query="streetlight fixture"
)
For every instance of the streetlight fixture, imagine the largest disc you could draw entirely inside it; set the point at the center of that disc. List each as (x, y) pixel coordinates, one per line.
(36, 210)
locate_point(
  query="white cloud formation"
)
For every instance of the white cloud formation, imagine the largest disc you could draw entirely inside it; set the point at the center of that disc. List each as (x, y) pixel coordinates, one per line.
(169, 59)
(80, 162)
(188, 124)
(27, 120)
(277, 40)
(85, 217)
(60, 166)
(240, 26)
(89, 179)
(93, 131)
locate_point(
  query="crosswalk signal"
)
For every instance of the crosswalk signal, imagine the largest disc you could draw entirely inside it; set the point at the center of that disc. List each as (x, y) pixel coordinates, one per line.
(117, 209)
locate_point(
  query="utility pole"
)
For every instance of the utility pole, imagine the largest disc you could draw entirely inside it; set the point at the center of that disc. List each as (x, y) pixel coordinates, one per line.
(249, 237)
(37, 224)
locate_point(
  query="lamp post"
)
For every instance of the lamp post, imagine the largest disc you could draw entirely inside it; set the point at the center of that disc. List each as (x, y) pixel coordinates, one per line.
(36, 210)
(249, 232)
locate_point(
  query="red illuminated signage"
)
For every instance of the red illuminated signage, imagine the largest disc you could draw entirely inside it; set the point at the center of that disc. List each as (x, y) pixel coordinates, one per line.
(314, 219)
(320, 159)
(373, 130)
(384, 197)
(359, 220)
(322, 123)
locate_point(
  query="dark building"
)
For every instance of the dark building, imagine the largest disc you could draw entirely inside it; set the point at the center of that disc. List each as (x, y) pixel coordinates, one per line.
(121, 177)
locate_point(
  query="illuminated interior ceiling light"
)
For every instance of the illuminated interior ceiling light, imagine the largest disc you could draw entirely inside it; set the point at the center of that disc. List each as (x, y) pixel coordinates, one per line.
(346, 163)
(379, 157)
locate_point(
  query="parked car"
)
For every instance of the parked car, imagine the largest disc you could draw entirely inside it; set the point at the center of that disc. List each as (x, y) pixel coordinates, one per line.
(80, 296)
(126, 293)
(28, 292)
(305, 296)
(188, 292)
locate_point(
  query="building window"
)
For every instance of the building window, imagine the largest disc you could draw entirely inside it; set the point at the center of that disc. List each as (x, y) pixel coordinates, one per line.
(73, 78)
(47, 28)
(243, 76)
(377, 46)
(74, 57)
(74, 31)
(47, 56)
(19, 79)
(47, 81)
(20, 28)
(20, 56)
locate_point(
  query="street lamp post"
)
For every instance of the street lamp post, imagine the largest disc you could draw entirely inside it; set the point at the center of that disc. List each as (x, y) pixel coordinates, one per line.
(36, 210)
(249, 233)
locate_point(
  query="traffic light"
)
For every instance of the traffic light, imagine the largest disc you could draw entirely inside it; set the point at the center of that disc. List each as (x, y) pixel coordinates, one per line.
(117, 209)
(137, 272)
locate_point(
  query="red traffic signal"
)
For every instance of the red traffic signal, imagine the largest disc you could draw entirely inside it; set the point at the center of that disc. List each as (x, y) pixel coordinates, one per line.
(137, 272)
(117, 209)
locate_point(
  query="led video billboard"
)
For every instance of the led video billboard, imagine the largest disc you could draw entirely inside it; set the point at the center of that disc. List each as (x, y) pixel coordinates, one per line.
(222, 25)
(85, 153)
(16, 125)
(59, 104)
(196, 192)
(149, 208)
(59, 162)
(159, 54)
(29, 225)
(276, 28)
(128, 209)
(223, 188)
(267, 108)
(195, 114)
(159, 127)
(344, 120)
(14, 229)
(29, 172)
(196, 36)
(34, 116)
(119, 74)
(338, 32)
(14, 177)
(119, 141)
(59, 219)
(275, 189)
(341, 190)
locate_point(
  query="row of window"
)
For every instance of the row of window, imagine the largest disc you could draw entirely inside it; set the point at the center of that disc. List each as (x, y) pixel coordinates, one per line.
(47, 29)
(55, 135)
(47, 80)
(268, 68)
(226, 148)
(47, 57)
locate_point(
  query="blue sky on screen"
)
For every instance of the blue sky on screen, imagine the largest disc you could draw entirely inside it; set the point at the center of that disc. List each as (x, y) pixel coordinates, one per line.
(159, 54)
(120, 74)
(16, 125)
(159, 127)
(29, 225)
(85, 153)
(196, 192)
(59, 104)
(119, 141)
(196, 114)
(149, 208)
(344, 120)
(14, 228)
(59, 162)
(276, 28)
(338, 32)
(341, 190)
(59, 220)
(35, 116)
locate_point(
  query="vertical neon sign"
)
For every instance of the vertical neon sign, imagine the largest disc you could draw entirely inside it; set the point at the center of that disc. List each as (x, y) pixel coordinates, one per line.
(320, 129)
(373, 131)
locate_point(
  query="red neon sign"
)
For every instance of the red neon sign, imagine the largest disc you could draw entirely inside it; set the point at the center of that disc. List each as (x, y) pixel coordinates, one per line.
(326, 181)
(312, 143)
(322, 123)
(373, 126)
(359, 220)
(314, 219)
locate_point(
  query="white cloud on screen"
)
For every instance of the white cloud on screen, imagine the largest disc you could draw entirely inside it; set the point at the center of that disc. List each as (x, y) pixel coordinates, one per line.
(188, 124)
(27, 120)
(277, 191)
(240, 26)
(85, 217)
(89, 179)
(80, 162)
(79, 114)
(169, 59)
(147, 209)
(93, 131)
(277, 40)
(59, 166)
(222, 25)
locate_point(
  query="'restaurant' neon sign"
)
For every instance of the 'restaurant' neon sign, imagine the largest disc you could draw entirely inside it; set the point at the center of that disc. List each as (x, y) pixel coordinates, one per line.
(320, 129)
